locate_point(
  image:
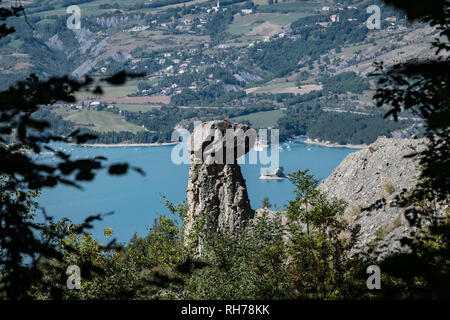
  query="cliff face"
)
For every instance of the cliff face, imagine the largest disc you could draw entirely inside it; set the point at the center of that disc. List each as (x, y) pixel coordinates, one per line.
(217, 189)
(378, 171)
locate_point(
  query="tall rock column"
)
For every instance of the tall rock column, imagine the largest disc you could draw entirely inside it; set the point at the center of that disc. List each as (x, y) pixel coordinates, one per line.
(216, 187)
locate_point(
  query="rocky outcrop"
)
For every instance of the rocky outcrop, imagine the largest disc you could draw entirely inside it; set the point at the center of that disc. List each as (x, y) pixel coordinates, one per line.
(278, 174)
(378, 171)
(216, 186)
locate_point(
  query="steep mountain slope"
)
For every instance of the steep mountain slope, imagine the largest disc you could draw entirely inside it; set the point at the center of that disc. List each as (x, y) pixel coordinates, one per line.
(378, 171)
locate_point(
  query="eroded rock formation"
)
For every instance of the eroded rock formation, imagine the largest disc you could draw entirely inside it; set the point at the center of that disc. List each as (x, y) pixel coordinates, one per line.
(216, 186)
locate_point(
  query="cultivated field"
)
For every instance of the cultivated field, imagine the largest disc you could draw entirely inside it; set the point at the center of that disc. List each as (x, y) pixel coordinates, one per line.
(263, 119)
(263, 24)
(99, 121)
(118, 95)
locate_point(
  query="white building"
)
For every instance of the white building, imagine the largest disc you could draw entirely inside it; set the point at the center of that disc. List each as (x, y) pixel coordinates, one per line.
(334, 18)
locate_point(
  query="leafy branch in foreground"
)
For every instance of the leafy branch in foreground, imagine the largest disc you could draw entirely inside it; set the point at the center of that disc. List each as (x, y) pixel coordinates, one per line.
(422, 87)
(22, 139)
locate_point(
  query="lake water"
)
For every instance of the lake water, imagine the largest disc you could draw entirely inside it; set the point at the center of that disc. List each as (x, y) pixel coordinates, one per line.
(137, 200)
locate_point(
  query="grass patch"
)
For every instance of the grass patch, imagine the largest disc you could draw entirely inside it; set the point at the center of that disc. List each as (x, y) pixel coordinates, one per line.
(287, 18)
(101, 121)
(245, 25)
(382, 232)
(388, 186)
(283, 87)
(353, 211)
(111, 91)
(262, 119)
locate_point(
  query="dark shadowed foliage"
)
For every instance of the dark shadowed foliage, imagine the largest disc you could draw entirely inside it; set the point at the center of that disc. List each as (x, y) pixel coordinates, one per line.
(22, 138)
(422, 87)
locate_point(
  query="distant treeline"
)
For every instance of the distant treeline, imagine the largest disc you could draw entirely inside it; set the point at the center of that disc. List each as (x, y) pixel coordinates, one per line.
(341, 127)
(284, 55)
(345, 82)
(72, 2)
(214, 94)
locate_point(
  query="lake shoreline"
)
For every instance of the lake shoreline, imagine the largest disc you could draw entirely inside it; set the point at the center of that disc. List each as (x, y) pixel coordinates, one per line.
(272, 178)
(115, 145)
(328, 144)
(308, 140)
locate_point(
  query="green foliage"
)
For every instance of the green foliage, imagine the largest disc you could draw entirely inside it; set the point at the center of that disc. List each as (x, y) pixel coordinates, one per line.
(264, 260)
(95, 260)
(422, 271)
(136, 271)
(249, 265)
(345, 82)
(305, 192)
(347, 128)
(21, 140)
(282, 56)
(159, 122)
(219, 22)
(266, 203)
(319, 244)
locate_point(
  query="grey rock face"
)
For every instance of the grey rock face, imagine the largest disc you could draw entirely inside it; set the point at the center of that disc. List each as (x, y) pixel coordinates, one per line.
(217, 189)
(378, 171)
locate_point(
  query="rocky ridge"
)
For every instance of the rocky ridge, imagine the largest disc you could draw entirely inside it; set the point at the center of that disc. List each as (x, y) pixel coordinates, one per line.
(373, 173)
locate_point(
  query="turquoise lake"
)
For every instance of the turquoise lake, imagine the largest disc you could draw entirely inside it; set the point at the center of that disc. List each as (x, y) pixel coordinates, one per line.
(137, 200)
